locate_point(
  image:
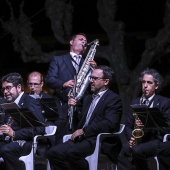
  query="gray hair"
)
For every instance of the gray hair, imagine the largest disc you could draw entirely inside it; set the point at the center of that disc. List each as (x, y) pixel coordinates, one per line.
(156, 76)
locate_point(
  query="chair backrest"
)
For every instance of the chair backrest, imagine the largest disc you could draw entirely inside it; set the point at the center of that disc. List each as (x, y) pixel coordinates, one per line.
(93, 159)
(50, 130)
(122, 126)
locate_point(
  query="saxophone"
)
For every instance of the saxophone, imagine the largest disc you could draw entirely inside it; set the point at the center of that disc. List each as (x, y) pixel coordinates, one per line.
(138, 132)
(81, 80)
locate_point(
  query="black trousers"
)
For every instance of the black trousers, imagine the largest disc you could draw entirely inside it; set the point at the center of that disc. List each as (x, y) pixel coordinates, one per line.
(70, 155)
(164, 156)
(137, 157)
(11, 152)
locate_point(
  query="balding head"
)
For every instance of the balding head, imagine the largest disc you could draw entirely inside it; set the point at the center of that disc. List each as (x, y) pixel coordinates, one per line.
(35, 82)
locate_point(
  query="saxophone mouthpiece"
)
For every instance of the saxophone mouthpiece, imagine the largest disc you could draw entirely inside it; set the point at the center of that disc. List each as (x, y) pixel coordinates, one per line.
(84, 45)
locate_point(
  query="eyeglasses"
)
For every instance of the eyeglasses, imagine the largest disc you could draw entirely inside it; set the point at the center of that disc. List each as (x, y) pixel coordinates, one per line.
(33, 84)
(7, 88)
(94, 78)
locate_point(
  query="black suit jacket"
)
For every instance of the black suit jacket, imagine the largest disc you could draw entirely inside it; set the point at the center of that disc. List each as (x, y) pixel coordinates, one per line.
(44, 95)
(105, 117)
(27, 133)
(160, 102)
(60, 71)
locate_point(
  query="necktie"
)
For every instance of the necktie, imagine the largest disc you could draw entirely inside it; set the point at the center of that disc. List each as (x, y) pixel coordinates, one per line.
(91, 109)
(76, 62)
(146, 102)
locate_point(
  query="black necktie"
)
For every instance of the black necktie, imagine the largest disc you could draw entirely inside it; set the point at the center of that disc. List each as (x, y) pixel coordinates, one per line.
(146, 102)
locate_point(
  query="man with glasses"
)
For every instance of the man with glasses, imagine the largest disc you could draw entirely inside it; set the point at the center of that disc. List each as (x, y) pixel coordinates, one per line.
(35, 84)
(101, 113)
(20, 142)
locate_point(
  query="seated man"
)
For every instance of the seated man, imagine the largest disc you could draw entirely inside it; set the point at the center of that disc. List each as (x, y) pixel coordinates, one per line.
(20, 142)
(101, 112)
(35, 85)
(151, 142)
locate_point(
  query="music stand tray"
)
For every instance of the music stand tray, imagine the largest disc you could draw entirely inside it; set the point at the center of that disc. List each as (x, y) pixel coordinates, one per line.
(150, 117)
(50, 108)
(24, 117)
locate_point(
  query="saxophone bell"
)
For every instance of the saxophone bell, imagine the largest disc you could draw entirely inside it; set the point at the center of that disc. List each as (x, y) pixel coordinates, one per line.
(138, 132)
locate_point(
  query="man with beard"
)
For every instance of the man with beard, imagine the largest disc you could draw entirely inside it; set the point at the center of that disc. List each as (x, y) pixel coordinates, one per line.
(101, 113)
(20, 142)
(151, 142)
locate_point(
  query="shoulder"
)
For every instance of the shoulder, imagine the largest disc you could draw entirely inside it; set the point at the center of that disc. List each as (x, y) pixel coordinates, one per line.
(110, 94)
(60, 57)
(45, 95)
(162, 99)
(26, 97)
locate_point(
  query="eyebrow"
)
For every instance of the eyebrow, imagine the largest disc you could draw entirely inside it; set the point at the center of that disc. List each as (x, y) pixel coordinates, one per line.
(83, 39)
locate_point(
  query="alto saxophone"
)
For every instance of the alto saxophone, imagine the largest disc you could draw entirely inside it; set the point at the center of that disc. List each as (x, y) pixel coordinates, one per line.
(138, 132)
(81, 80)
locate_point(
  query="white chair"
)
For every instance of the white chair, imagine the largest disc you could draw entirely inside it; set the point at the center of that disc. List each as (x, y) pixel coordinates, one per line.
(155, 158)
(93, 159)
(29, 159)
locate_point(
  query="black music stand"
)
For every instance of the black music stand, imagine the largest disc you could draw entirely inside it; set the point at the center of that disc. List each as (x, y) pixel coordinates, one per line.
(151, 118)
(23, 117)
(50, 109)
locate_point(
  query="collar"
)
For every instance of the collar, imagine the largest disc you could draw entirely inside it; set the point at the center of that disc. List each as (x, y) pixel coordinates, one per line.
(100, 94)
(18, 98)
(150, 98)
(73, 54)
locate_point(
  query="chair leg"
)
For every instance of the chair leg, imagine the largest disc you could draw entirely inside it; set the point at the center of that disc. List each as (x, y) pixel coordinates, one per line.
(48, 165)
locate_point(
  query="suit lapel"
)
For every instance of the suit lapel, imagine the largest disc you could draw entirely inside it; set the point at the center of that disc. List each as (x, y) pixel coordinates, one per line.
(21, 101)
(98, 106)
(67, 60)
(156, 101)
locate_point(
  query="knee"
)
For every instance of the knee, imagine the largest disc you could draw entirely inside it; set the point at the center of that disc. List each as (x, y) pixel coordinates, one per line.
(137, 151)
(52, 153)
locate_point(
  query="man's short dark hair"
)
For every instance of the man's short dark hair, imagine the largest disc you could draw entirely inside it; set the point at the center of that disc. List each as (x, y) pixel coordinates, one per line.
(108, 73)
(14, 78)
(74, 36)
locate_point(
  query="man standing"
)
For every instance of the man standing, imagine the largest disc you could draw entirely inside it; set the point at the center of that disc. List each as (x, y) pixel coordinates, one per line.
(60, 76)
(101, 112)
(150, 142)
(20, 142)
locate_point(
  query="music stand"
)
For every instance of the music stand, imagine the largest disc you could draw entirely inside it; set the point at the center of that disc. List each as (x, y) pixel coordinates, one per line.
(150, 117)
(24, 117)
(50, 108)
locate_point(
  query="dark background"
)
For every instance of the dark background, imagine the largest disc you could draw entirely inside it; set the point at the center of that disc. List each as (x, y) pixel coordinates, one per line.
(142, 19)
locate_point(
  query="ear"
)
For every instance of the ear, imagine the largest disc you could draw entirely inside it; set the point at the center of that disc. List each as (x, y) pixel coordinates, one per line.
(19, 87)
(106, 82)
(157, 86)
(71, 42)
(42, 84)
